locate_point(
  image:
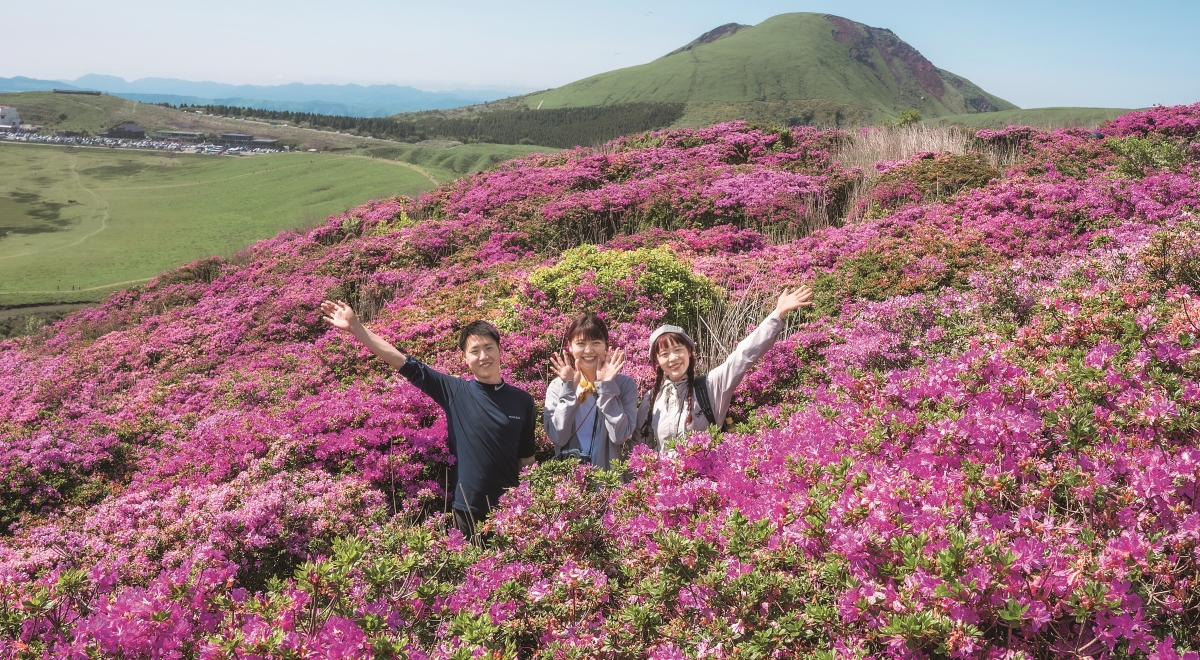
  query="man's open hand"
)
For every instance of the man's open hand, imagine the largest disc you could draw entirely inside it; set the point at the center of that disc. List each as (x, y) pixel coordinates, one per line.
(339, 315)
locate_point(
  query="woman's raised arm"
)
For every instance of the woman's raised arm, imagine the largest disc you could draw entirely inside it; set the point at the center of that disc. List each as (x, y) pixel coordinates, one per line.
(724, 379)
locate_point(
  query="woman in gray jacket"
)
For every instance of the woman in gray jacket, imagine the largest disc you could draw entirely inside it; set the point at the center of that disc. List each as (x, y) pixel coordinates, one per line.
(590, 405)
(671, 408)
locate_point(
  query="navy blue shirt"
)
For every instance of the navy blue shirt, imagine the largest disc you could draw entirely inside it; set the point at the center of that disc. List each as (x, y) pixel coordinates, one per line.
(490, 429)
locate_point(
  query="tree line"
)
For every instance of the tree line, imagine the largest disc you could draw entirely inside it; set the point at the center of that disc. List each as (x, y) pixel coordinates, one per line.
(559, 127)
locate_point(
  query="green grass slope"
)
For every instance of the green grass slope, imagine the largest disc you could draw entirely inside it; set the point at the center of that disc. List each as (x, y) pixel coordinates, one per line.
(1036, 117)
(811, 112)
(98, 220)
(446, 163)
(75, 112)
(790, 57)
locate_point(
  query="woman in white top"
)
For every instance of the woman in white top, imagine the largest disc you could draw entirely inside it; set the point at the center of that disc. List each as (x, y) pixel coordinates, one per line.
(590, 405)
(670, 409)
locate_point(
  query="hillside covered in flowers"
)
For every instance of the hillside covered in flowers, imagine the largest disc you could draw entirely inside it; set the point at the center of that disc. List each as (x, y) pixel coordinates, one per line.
(983, 442)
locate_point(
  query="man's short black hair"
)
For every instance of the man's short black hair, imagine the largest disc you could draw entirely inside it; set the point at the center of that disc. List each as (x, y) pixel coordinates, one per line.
(481, 329)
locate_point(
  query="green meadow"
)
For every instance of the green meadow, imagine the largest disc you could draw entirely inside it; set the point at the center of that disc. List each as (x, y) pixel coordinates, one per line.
(1036, 117)
(77, 225)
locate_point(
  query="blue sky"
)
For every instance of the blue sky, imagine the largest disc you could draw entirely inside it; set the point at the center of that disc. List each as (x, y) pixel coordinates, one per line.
(1035, 54)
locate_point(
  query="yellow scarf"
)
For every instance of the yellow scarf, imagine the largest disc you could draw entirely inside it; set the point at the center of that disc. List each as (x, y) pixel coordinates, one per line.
(586, 387)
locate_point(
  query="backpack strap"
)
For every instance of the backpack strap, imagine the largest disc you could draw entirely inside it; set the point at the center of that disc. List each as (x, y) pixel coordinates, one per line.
(700, 387)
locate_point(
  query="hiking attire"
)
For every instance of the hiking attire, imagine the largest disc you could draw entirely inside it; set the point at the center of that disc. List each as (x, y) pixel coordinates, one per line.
(595, 423)
(489, 428)
(668, 410)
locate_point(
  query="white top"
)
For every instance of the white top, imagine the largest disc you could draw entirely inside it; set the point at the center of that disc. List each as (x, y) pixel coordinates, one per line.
(670, 408)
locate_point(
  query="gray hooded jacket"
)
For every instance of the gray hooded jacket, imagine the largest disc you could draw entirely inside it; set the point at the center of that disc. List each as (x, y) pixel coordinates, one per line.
(615, 405)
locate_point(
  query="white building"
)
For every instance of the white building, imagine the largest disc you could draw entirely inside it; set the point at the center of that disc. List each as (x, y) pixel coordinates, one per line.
(9, 117)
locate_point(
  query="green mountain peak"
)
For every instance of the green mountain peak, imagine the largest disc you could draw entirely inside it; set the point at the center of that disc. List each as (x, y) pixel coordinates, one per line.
(785, 60)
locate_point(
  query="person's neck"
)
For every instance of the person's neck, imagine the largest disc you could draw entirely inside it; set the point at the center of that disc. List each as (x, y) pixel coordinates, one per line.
(492, 380)
(588, 374)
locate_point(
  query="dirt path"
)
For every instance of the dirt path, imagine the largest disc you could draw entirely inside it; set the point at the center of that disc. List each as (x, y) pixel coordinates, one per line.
(410, 166)
(104, 218)
(401, 163)
(91, 288)
(695, 76)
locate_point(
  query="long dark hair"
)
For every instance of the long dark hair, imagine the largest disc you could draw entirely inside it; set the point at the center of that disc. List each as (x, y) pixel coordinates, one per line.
(665, 340)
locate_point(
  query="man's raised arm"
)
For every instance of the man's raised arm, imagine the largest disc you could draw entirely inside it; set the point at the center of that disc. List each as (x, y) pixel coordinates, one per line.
(340, 315)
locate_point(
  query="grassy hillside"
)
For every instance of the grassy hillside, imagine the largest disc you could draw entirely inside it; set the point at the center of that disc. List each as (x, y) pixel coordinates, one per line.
(97, 220)
(71, 112)
(450, 162)
(466, 111)
(790, 57)
(1039, 117)
(558, 127)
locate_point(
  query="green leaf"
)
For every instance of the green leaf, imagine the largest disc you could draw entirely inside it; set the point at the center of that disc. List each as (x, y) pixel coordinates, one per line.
(1013, 612)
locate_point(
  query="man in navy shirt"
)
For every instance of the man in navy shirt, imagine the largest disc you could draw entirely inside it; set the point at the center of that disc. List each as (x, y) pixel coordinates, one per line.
(490, 423)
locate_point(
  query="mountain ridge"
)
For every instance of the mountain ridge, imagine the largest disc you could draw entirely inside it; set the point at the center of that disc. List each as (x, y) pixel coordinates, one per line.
(708, 37)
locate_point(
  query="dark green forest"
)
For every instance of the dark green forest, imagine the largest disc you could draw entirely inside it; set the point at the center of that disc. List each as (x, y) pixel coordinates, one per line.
(561, 127)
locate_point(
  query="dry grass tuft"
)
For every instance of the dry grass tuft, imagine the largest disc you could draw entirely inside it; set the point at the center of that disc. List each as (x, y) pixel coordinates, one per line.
(864, 149)
(727, 322)
(815, 215)
(871, 146)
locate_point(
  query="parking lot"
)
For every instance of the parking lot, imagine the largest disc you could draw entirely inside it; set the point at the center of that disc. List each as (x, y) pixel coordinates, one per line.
(117, 143)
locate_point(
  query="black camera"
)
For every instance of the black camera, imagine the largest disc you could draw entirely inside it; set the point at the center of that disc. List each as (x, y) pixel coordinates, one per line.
(576, 454)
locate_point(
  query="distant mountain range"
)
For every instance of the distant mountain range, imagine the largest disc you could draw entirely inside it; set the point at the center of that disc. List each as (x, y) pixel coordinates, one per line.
(23, 84)
(348, 100)
(784, 63)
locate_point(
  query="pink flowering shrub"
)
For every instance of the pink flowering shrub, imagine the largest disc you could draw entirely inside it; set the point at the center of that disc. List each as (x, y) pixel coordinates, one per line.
(1181, 121)
(982, 443)
(926, 177)
(692, 179)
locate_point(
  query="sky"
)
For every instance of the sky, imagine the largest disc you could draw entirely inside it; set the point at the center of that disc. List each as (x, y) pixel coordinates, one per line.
(1033, 54)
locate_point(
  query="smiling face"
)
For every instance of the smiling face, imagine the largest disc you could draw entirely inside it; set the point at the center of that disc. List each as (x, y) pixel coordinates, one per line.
(672, 356)
(482, 355)
(589, 354)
